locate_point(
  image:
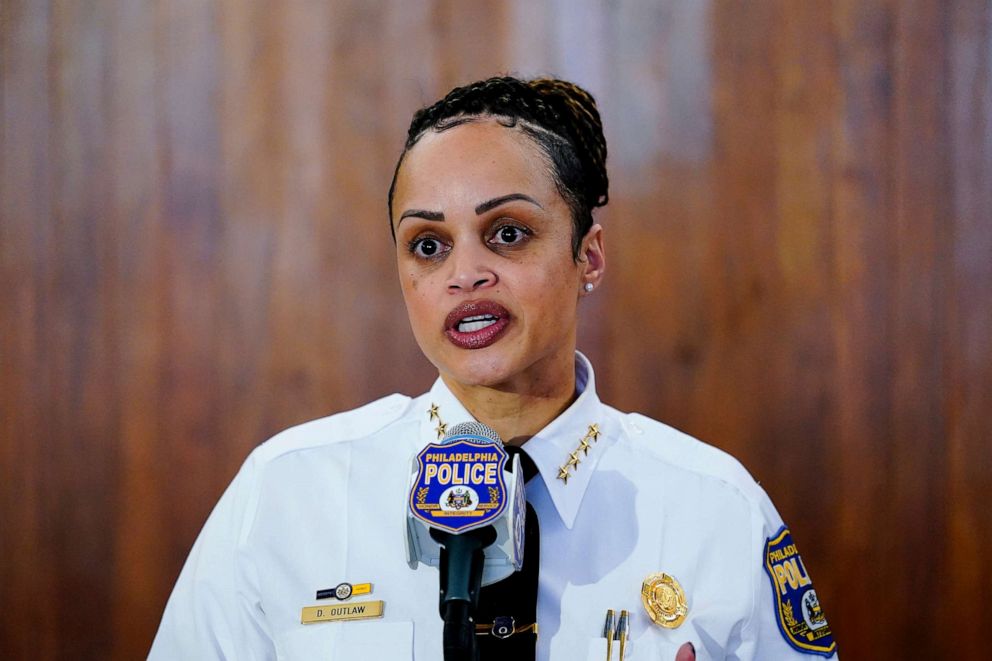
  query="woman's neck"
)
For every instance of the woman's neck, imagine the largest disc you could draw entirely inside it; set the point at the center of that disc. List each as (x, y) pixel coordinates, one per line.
(517, 413)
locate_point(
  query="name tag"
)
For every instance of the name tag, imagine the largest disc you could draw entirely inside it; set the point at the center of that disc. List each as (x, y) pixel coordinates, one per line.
(359, 610)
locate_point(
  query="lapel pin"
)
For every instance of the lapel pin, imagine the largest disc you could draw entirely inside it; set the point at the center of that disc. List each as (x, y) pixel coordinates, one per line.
(345, 591)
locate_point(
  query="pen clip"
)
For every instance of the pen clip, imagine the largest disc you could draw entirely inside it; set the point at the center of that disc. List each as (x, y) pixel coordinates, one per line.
(609, 632)
(623, 632)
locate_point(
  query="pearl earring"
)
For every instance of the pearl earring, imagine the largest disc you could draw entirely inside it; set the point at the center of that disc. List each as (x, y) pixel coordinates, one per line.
(589, 286)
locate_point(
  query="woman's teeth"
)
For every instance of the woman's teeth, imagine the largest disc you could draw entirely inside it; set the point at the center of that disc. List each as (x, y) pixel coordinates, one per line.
(472, 324)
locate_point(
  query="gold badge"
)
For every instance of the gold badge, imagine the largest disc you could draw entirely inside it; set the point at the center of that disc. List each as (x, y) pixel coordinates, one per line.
(664, 600)
(359, 610)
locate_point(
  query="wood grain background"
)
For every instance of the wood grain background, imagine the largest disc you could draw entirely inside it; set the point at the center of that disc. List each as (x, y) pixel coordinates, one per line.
(194, 255)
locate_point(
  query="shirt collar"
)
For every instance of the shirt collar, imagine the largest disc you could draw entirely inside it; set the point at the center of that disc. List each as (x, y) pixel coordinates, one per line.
(558, 449)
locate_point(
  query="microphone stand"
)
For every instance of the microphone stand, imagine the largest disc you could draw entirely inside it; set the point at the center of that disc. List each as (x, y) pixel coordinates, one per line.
(462, 560)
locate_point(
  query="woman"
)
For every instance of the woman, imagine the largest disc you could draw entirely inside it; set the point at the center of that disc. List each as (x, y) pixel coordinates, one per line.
(491, 210)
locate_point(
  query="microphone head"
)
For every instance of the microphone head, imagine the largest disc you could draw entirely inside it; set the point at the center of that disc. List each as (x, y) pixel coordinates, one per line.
(460, 482)
(479, 431)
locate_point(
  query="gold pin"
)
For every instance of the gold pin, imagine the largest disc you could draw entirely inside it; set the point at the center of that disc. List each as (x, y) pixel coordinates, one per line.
(359, 610)
(433, 413)
(574, 459)
(441, 429)
(664, 600)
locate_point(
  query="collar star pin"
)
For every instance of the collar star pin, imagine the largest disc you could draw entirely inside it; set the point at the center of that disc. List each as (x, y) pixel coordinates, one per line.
(664, 600)
(573, 460)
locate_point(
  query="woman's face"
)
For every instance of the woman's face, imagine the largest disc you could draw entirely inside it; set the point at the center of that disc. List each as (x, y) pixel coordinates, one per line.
(484, 249)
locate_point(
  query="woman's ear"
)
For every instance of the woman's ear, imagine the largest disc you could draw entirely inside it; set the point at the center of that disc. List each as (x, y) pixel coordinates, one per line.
(592, 258)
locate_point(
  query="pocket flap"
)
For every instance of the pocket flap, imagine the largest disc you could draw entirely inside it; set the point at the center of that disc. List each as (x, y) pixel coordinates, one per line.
(348, 641)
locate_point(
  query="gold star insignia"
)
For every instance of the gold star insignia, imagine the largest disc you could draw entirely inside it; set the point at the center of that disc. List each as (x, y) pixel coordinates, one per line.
(574, 460)
(584, 446)
(594, 432)
(441, 429)
(563, 474)
(433, 412)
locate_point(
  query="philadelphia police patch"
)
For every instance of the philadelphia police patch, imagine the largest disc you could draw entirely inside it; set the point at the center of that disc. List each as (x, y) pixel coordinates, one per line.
(798, 611)
(459, 485)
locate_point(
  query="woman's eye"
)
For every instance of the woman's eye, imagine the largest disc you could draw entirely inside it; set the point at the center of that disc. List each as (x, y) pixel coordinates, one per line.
(426, 247)
(509, 235)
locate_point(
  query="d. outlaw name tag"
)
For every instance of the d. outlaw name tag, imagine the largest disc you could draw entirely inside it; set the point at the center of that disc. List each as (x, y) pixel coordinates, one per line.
(359, 610)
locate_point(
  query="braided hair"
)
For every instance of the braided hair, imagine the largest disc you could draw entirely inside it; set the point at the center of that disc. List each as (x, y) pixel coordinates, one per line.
(559, 116)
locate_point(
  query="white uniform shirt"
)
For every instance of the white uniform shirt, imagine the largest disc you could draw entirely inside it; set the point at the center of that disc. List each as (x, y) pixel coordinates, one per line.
(325, 503)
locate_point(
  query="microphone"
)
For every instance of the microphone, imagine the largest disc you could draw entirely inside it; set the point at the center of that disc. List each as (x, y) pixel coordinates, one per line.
(466, 516)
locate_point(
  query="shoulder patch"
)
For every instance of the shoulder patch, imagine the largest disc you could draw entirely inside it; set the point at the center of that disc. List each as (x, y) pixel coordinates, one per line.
(798, 612)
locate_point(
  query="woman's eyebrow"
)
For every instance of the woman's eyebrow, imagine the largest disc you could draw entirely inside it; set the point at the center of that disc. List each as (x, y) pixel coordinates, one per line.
(420, 213)
(479, 210)
(503, 199)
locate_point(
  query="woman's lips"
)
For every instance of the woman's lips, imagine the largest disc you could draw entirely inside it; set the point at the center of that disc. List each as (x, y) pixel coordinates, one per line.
(476, 324)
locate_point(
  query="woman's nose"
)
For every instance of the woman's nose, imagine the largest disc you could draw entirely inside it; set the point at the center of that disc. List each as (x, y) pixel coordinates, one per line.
(470, 269)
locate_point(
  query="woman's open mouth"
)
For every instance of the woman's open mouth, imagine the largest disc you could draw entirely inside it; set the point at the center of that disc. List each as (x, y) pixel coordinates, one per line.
(477, 324)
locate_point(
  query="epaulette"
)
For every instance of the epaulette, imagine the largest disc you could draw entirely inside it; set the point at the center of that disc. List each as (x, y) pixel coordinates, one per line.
(336, 428)
(679, 449)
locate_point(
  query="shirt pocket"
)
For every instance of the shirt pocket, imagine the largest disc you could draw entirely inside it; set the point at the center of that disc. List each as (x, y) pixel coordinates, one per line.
(348, 641)
(646, 647)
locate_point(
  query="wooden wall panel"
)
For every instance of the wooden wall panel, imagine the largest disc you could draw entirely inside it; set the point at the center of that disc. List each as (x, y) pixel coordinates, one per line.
(194, 255)
(27, 554)
(861, 546)
(966, 344)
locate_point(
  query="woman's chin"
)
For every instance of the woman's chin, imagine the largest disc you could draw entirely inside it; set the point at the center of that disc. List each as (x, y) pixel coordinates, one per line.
(477, 372)
(503, 368)
(489, 367)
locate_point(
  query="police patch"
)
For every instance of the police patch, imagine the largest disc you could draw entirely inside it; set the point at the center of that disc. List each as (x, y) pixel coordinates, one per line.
(799, 616)
(459, 485)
